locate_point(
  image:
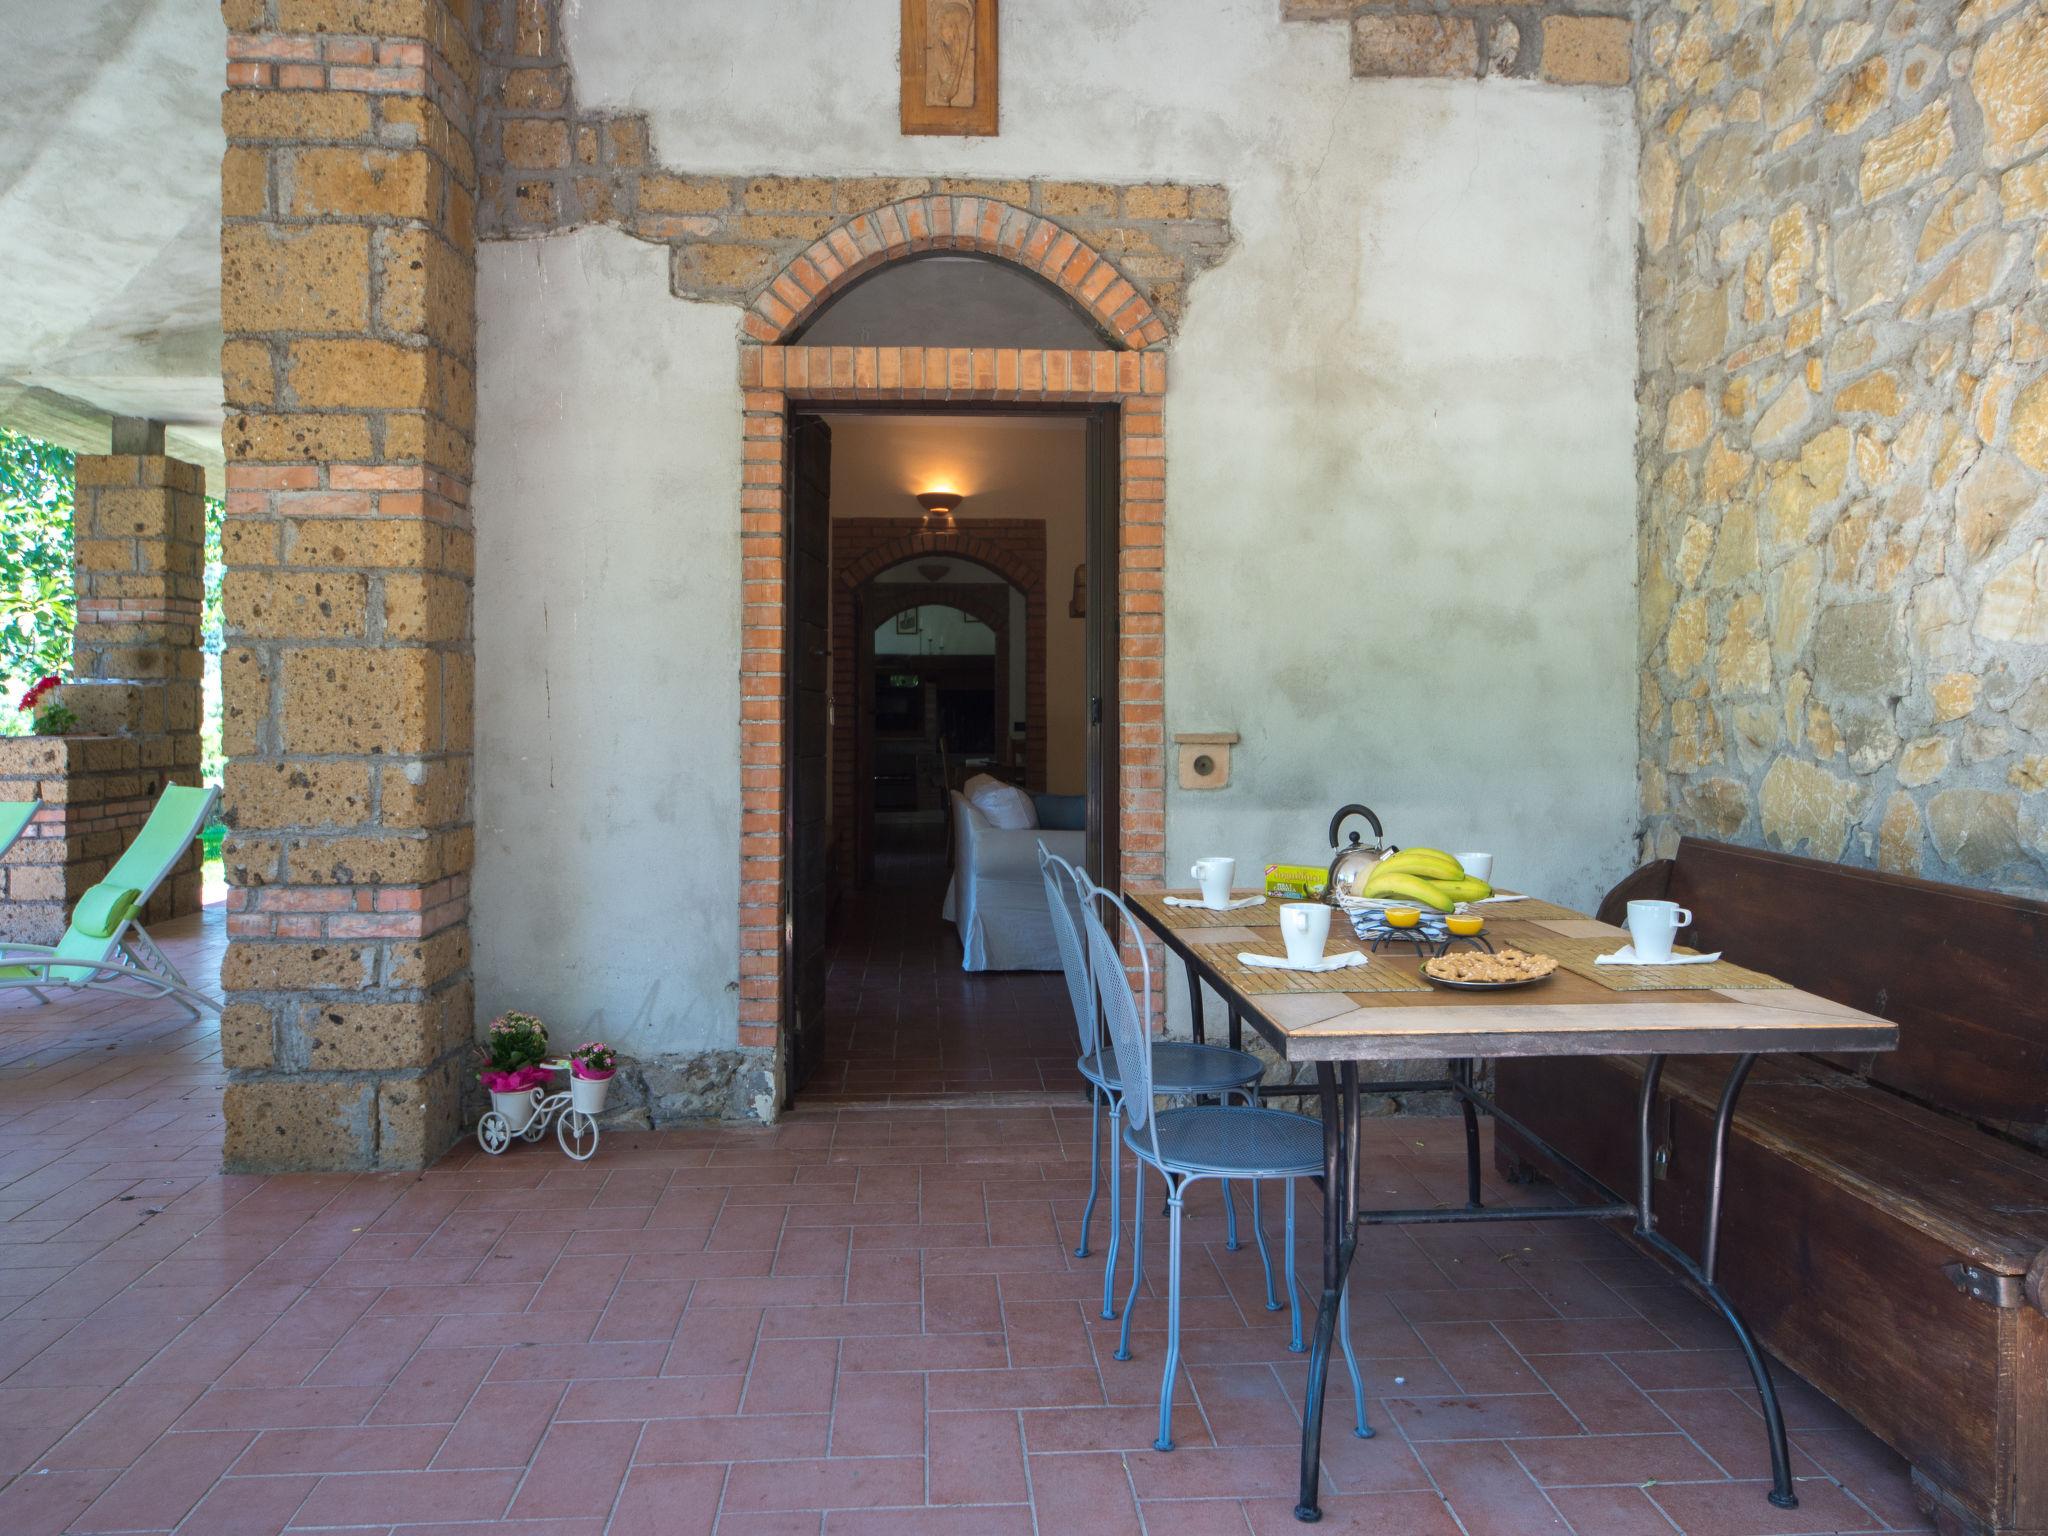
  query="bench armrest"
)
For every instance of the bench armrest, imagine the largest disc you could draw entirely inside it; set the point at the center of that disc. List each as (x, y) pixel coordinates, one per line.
(1650, 883)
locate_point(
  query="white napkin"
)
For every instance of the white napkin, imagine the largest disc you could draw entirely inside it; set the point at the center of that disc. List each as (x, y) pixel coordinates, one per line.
(1626, 955)
(1228, 906)
(1350, 957)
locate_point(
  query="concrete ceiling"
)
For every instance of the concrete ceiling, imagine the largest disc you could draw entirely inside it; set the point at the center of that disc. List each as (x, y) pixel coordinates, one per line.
(110, 150)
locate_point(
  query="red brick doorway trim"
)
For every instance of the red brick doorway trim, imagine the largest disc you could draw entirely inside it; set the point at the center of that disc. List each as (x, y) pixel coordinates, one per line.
(772, 380)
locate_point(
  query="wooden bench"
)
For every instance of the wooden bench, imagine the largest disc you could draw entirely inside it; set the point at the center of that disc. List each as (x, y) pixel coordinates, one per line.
(1887, 1227)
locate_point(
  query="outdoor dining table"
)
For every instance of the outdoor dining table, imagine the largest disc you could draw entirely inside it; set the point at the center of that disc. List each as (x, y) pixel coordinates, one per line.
(1387, 1012)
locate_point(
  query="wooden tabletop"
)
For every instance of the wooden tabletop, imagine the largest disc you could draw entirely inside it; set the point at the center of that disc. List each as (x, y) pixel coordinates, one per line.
(1567, 1015)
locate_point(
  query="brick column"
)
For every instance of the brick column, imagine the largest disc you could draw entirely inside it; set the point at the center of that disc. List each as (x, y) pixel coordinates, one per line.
(139, 541)
(348, 269)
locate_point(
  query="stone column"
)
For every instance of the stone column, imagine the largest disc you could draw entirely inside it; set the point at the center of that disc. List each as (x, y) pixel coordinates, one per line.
(348, 270)
(139, 540)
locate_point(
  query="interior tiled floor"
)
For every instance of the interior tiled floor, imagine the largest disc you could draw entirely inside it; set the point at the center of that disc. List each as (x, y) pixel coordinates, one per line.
(865, 1320)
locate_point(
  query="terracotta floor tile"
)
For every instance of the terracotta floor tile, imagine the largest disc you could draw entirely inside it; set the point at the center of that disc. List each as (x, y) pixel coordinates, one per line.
(840, 1324)
(577, 1470)
(1740, 1509)
(860, 1482)
(743, 1437)
(500, 1426)
(669, 1501)
(976, 1458)
(163, 1484)
(1491, 1491)
(384, 1498)
(1480, 1418)
(1610, 1512)
(391, 1448)
(248, 1506)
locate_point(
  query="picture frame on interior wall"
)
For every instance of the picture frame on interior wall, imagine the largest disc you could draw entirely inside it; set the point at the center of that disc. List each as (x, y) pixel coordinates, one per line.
(949, 67)
(908, 622)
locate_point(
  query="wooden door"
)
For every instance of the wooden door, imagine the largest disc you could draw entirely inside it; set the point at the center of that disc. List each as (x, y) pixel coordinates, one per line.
(1104, 546)
(808, 660)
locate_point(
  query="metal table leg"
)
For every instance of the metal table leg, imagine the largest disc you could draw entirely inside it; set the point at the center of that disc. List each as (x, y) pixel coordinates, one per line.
(1702, 1270)
(1340, 1227)
(1461, 1075)
(1194, 1002)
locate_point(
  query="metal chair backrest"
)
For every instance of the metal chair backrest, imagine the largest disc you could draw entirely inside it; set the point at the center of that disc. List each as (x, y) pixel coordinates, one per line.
(1061, 894)
(1128, 1013)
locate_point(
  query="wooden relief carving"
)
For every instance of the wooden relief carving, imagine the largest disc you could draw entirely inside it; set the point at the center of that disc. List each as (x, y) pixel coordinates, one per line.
(949, 67)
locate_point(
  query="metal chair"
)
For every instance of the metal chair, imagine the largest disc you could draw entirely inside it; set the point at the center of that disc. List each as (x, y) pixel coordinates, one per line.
(1178, 1068)
(1219, 1141)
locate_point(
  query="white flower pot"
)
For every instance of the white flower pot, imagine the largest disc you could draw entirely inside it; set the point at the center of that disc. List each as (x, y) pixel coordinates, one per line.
(517, 1108)
(586, 1094)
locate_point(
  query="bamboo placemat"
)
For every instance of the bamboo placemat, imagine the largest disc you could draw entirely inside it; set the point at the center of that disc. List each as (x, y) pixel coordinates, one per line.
(1577, 956)
(1374, 976)
(1266, 916)
(1529, 909)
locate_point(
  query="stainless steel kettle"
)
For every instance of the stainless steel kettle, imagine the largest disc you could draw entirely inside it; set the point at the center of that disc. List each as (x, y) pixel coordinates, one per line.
(1354, 860)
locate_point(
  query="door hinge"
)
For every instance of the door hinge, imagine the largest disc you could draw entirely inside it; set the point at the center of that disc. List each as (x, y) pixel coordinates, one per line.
(1981, 1284)
(1095, 710)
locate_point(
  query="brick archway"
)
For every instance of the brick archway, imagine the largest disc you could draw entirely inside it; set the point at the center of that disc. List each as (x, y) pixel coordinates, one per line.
(863, 548)
(939, 223)
(1128, 385)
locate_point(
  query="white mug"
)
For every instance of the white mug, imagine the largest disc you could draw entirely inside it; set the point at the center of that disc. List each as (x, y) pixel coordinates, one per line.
(1213, 877)
(1652, 925)
(1478, 865)
(1305, 925)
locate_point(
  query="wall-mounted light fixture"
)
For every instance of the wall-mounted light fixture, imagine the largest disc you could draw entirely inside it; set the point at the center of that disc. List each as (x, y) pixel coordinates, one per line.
(939, 507)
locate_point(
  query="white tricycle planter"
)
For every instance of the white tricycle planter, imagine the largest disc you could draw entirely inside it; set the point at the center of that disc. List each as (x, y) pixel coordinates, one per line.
(573, 1112)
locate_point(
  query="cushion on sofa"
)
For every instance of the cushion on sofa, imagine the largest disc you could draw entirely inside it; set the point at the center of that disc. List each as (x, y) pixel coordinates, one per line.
(1062, 813)
(1004, 806)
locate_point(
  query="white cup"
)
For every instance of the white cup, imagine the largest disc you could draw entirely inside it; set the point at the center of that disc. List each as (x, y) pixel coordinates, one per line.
(1652, 925)
(1478, 865)
(1305, 925)
(1213, 876)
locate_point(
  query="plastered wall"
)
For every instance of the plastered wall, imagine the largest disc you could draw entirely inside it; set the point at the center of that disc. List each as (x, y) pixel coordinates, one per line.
(1400, 428)
(607, 636)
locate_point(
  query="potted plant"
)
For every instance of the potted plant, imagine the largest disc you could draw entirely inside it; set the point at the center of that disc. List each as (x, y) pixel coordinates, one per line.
(591, 1066)
(47, 717)
(515, 1047)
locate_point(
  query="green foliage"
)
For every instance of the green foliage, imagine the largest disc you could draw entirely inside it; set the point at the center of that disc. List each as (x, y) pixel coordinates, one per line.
(515, 1040)
(212, 761)
(37, 607)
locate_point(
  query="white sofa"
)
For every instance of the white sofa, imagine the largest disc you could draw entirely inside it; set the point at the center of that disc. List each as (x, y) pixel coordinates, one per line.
(997, 896)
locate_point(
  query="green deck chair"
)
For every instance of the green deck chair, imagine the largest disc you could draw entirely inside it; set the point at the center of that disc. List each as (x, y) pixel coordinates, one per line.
(15, 815)
(106, 948)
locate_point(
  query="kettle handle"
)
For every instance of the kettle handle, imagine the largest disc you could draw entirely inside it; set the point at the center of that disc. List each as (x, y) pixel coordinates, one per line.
(1337, 821)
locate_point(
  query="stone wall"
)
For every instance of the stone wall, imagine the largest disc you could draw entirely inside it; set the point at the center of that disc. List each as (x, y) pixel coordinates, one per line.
(348, 306)
(1844, 430)
(1566, 42)
(549, 165)
(96, 791)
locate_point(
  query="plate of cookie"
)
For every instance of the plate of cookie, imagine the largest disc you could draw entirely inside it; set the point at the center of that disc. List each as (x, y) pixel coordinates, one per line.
(1472, 970)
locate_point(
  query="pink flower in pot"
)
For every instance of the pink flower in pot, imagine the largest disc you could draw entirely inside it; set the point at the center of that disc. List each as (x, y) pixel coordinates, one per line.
(591, 1066)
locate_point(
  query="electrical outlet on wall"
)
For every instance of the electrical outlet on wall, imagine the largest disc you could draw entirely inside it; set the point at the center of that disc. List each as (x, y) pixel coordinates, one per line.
(1204, 758)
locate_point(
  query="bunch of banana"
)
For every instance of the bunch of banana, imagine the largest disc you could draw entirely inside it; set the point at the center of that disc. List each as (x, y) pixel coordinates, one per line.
(1429, 877)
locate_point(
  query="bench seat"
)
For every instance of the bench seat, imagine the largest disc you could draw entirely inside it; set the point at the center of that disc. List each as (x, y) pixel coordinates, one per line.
(1891, 1250)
